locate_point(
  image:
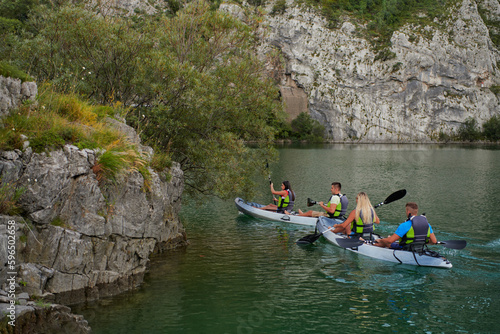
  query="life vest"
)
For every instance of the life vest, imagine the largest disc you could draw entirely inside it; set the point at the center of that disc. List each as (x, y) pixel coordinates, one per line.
(359, 227)
(285, 203)
(341, 208)
(419, 231)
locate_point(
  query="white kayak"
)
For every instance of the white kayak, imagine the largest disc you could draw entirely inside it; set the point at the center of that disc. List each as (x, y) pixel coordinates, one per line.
(252, 209)
(426, 259)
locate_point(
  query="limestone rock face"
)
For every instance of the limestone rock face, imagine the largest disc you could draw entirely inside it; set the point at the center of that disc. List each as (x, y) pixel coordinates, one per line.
(13, 92)
(48, 319)
(84, 240)
(438, 78)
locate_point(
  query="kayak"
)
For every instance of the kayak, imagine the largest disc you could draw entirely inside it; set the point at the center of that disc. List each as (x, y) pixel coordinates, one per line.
(252, 209)
(426, 259)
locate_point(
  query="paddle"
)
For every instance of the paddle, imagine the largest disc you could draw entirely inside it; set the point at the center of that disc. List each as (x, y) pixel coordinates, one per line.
(310, 202)
(309, 239)
(454, 244)
(393, 197)
(269, 177)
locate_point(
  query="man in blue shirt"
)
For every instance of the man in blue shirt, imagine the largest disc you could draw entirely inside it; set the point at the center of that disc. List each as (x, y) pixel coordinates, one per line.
(416, 228)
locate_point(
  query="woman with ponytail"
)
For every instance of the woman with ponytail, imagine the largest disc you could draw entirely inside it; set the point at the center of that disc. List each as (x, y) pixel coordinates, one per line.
(285, 200)
(360, 221)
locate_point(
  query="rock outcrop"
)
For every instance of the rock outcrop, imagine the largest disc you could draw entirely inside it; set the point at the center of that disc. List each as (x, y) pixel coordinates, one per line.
(13, 92)
(39, 317)
(80, 239)
(440, 75)
(88, 240)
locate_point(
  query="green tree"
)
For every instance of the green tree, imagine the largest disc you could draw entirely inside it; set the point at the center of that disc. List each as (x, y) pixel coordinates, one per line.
(81, 52)
(212, 96)
(195, 90)
(469, 130)
(16, 9)
(491, 129)
(306, 128)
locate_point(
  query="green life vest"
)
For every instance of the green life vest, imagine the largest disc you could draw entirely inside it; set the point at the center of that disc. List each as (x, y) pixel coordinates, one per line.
(358, 227)
(285, 203)
(341, 208)
(419, 231)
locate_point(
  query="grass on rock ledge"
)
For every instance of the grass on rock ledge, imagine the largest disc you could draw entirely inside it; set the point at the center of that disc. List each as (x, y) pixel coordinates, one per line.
(58, 119)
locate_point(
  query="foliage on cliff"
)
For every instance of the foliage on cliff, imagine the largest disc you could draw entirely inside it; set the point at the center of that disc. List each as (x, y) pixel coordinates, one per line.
(302, 128)
(196, 91)
(383, 17)
(60, 119)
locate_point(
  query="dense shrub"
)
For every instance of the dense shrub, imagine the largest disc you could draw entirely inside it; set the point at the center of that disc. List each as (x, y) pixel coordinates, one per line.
(491, 129)
(198, 93)
(306, 128)
(469, 131)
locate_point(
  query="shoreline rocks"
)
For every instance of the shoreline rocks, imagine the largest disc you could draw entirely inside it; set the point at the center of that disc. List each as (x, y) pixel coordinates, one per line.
(79, 239)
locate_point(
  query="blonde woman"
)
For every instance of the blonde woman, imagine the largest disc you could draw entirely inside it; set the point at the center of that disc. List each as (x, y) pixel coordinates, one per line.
(360, 220)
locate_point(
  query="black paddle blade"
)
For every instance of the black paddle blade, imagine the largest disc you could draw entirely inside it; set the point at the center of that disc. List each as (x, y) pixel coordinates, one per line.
(454, 244)
(308, 239)
(310, 202)
(393, 197)
(349, 243)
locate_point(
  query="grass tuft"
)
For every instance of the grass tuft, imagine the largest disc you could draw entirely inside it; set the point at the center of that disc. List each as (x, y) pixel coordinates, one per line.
(60, 119)
(9, 71)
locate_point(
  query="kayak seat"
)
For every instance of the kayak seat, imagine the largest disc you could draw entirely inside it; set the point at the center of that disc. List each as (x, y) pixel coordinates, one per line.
(419, 247)
(367, 236)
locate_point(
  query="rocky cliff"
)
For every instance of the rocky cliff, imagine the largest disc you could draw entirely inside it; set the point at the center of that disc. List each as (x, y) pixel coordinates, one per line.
(13, 92)
(438, 78)
(441, 73)
(80, 239)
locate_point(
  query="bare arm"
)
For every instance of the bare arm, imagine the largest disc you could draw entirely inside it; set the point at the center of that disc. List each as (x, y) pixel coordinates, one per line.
(344, 227)
(280, 192)
(330, 209)
(386, 242)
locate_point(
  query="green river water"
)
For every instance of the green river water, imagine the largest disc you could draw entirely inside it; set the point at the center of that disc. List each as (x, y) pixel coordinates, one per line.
(244, 275)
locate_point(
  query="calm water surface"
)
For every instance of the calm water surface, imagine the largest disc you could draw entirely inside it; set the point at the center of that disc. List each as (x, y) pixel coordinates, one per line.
(244, 275)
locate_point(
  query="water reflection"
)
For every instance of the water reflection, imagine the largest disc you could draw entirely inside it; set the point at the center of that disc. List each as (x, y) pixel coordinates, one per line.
(242, 275)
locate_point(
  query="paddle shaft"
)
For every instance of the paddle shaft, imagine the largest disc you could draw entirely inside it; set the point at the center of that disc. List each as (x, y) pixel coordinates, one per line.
(269, 177)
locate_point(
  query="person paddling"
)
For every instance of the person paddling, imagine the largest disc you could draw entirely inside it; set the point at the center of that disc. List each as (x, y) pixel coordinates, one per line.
(360, 221)
(416, 229)
(336, 206)
(285, 200)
